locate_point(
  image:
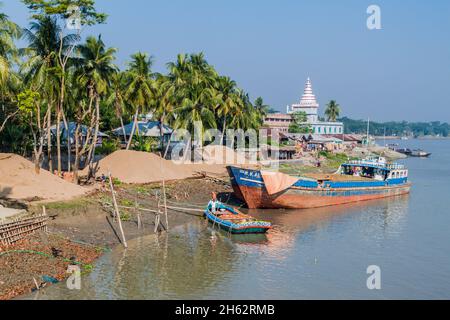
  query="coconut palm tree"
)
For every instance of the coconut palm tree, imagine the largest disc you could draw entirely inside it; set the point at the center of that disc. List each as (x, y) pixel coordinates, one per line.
(228, 100)
(9, 32)
(117, 98)
(9, 80)
(163, 104)
(40, 70)
(332, 111)
(195, 107)
(140, 86)
(95, 69)
(262, 108)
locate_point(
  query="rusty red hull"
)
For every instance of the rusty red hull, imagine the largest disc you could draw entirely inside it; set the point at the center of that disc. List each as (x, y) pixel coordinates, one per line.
(298, 198)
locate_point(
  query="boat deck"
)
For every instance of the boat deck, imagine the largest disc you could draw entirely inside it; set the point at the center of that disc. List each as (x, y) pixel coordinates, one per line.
(335, 177)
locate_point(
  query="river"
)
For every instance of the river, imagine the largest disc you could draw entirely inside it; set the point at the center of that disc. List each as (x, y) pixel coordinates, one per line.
(310, 254)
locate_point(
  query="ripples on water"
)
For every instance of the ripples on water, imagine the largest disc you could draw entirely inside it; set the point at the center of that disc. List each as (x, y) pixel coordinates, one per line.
(320, 253)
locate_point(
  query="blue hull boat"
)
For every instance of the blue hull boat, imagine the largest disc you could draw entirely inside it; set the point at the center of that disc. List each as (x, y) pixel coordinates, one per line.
(237, 222)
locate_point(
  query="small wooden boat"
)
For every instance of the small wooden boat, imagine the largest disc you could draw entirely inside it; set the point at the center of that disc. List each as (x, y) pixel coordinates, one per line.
(405, 151)
(419, 154)
(236, 222)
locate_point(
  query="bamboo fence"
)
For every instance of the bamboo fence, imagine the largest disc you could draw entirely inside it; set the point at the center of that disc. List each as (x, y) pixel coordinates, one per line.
(17, 229)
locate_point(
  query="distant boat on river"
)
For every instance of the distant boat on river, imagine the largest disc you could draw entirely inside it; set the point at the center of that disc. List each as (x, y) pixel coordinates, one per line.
(420, 154)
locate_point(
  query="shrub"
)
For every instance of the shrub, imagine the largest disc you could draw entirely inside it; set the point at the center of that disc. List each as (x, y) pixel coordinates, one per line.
(108, 146)
(145, 144)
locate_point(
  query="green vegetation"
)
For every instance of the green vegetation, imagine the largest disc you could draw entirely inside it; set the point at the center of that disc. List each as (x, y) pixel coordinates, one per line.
(145, 144)
(334, 160)
(332, 111)
(394, 128)
(108, 147)
(70, 204)
(59, 78)
(300, 124)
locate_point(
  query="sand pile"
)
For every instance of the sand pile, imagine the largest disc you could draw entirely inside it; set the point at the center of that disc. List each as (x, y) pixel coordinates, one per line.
(214, 154)
(143, 167)
(19, 181)
(140, 167)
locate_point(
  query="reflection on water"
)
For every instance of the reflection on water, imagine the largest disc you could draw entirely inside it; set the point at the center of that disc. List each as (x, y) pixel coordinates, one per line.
(319, 253)
(196, 261)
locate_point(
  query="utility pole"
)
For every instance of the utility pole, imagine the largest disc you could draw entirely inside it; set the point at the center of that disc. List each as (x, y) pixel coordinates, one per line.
(368, 129)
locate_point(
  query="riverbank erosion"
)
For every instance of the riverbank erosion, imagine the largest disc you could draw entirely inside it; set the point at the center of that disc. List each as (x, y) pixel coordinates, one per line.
(82, 228)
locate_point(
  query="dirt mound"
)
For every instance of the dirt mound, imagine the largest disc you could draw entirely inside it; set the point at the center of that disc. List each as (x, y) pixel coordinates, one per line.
(142, 167)
(18, 180)
(222, 155)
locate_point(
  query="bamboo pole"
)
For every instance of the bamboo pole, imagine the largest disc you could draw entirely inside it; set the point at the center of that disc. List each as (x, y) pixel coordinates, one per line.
(165, 205)
(116, 211)
(138, 213)
(164, 190)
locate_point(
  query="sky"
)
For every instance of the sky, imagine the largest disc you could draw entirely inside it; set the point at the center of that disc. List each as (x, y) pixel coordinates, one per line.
(400, 72)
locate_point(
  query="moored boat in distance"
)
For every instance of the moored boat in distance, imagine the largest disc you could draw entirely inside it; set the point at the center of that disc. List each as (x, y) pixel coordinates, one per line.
(361, 180)
(404, 151)
(419, 154)
(235, 222)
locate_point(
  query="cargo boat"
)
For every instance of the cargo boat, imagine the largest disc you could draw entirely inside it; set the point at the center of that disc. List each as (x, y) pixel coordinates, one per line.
(360, 180)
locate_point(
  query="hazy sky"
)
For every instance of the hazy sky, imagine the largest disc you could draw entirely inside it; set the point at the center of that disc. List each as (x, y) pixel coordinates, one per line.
(401, 72)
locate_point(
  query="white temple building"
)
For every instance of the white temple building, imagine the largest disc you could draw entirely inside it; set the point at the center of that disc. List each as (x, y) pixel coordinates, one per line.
(310, 106)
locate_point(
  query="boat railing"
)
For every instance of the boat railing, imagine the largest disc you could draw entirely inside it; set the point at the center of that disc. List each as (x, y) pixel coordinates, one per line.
(389, 166)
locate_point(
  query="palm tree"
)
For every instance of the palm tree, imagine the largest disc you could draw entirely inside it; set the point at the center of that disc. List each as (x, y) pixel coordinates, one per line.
(95, 70)
(228, 100)
(163, 104)
(117, 98)
(9, 32)
(140, 85)
(246, 116)
(195, 107)
(262, 108)
(40, 70)
(332, 111)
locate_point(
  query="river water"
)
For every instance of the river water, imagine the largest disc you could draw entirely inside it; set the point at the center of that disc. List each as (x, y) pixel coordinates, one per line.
(310, 254)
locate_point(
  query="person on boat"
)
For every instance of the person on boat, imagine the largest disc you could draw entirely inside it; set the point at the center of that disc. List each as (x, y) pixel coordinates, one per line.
(217, 207)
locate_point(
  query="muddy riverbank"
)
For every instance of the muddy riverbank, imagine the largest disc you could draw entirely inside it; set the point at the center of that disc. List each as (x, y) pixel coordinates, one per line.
(82, 229)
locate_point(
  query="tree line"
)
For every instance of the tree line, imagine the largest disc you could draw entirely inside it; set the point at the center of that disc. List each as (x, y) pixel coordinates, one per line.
(397, 128)
(58, 79)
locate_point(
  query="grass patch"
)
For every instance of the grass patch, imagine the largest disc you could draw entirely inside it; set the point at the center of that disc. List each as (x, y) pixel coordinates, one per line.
(126, 203)
(68, 205)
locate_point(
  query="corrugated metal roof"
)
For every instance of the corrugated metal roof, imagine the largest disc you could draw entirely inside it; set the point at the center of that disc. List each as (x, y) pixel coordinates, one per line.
(144, 128)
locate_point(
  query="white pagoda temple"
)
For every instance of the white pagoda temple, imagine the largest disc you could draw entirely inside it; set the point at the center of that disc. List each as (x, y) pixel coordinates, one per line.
(310, 106)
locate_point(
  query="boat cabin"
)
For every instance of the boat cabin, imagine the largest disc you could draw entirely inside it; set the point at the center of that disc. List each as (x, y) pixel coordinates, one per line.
(375, 168)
